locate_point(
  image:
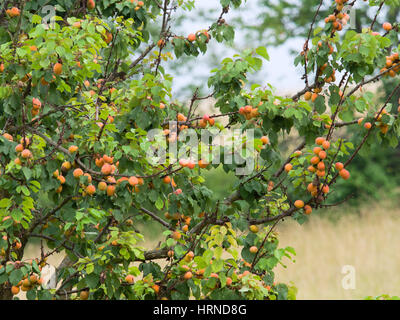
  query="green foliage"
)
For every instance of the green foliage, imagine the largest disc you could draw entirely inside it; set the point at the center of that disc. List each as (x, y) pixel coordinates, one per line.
(79, 172)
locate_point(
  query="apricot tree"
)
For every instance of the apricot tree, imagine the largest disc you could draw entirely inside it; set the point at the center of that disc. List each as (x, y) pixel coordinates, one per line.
(79, 172)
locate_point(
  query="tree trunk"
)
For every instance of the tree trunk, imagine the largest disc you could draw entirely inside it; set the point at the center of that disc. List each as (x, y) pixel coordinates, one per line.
(5, 292)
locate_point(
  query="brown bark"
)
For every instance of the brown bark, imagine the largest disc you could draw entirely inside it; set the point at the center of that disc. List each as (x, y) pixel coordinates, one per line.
(5, 292)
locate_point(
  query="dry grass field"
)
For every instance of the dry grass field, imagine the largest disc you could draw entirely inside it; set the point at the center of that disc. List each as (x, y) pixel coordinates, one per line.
(368, 240)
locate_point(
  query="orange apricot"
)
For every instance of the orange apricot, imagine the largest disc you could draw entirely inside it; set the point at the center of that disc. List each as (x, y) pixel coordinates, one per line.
(344, 174)
(288, 167)
(77, 173)
(57, 69)
(90, 189)
(339, 166)
(299, 204)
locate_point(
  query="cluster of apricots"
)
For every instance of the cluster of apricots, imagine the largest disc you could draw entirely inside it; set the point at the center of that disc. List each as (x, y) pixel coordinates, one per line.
(13, 12)
(317, 162)
(138, 4)
(36, 105)
(192, 37)
(182, 220)
(312, 95)
(382, 126)
(249, 112)
(330, 78)
(186, 273)
(108, 169)
(28, 283)
(23, 151)
(318, 167)
(16, 245)
(392, 63)
(339, 19)
(206, 119)
(299, 204)
(191, 164)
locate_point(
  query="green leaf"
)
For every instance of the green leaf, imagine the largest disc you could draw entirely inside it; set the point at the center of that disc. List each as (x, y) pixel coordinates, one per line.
(159, 203)
(5, 202)
(320, 104)
(89, 268)
(36, 19)
(262, 51)
(16, 276)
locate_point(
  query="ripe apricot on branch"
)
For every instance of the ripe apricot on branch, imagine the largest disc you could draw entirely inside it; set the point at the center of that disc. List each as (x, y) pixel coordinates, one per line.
(133, 181)
(13, 12)
(314, 160)
(61, 179)
(288, 167)
(202, 164)
(84, 295)
(102, 186)
(319, 140)
(253, 228)
(57, 69)
(176, 235)
(299, 204)
(387, 26)
(325, 189)
(66, 166)
(322, 155)
(73, 149)
(265, 140)
(91, 4)
(8, 136)
(326, 144)
(317, 150)
(308, 95)
(344, 174)
(253, 249)
(90, 189)
(77, 173)
(339, 166)
(26, 154)
(89, 177)
(129, 278)
(19, 148)
(167, 180)
(191, 37)
(110, 190)
(106, 169)
(14, 290)
(321, 166)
